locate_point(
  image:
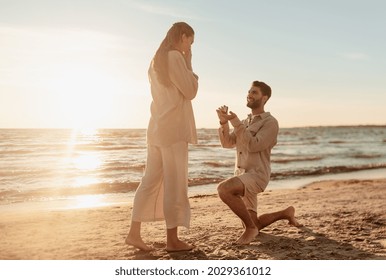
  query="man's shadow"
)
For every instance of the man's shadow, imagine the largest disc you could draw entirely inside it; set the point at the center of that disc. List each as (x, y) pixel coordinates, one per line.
(308, 246)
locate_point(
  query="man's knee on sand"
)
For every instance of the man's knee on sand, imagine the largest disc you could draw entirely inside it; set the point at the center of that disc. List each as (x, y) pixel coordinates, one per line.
(222, 190)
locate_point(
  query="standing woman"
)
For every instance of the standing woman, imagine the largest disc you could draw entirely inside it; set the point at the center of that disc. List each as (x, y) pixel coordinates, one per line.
(163, 191)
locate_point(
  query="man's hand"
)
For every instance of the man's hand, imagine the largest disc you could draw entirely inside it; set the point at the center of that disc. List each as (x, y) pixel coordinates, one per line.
(223, 115)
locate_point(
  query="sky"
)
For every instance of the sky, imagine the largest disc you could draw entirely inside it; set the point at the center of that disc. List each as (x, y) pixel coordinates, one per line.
(83, 63)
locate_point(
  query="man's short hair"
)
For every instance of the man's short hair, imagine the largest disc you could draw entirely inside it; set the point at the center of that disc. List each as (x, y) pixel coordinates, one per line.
(265, 89)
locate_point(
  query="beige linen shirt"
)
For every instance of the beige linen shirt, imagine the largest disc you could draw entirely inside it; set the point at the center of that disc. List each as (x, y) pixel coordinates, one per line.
(254, 139)
(172, 119)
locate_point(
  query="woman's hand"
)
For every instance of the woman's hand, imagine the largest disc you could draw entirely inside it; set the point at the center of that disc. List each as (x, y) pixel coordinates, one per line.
(188, 58)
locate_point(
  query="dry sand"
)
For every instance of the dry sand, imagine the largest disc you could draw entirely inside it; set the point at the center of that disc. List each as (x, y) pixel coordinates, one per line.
(342, 220)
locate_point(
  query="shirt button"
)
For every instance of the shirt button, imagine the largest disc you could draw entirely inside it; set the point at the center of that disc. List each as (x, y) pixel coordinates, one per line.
(239, 166)
(241, 153)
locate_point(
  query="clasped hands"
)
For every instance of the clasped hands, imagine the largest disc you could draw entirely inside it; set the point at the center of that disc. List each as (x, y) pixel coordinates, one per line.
(223, 114)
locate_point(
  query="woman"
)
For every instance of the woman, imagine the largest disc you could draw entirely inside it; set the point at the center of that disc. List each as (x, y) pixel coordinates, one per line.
(163, 191)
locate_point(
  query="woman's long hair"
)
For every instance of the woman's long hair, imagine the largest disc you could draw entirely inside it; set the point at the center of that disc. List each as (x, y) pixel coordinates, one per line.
(160, 60)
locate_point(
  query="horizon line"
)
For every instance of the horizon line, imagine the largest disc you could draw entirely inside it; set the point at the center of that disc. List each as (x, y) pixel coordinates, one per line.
(144, 128)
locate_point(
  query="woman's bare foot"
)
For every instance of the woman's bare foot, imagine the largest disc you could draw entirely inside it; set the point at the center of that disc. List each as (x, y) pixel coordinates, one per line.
(248, 236)
(290, 214)
(137, 242)
(178, 246)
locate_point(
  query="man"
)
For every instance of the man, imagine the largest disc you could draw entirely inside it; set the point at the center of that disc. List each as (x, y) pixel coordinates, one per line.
(253, 138)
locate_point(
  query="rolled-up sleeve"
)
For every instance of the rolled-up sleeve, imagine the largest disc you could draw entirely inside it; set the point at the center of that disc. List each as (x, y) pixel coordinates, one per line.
(228, 140)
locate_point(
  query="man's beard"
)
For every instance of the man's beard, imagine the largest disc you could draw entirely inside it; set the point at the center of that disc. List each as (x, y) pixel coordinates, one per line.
(255, 104)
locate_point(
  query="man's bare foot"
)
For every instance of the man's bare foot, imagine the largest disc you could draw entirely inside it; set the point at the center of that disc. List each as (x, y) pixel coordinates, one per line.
(248, 236)
(137, 242)
(290, 214)
(178, 246)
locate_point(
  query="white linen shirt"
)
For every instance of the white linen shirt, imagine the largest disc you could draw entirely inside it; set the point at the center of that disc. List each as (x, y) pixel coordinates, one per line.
(254, 139)
(172, 119)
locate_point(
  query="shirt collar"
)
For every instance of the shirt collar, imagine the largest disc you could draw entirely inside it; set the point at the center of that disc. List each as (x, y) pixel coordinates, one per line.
(262, 116)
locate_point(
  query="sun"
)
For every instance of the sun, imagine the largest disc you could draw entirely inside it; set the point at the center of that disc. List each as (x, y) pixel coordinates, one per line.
(84, 95)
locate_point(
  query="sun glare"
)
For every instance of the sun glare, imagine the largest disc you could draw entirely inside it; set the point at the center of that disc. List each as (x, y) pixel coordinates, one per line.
(75, 73)
(86, 162)
(84, 95)
(85, 181)
(88, 201)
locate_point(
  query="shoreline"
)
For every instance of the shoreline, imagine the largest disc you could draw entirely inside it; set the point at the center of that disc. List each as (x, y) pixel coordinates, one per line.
(343, 220)
(119, 199)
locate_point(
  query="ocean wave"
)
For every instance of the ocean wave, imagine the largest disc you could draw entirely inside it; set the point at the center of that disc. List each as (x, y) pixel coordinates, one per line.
(112, 147)
(297, 143)
(8, 196)
(136, 167)
(324, 170)
(25, 173)
(295, 159)
(207, 145)
(11, 196)
(219, 163)
(204, 181)
(366, 156)
(337, 142)
(9, 152)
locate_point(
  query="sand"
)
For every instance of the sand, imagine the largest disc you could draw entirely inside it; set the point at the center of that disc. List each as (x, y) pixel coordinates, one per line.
(343, 220)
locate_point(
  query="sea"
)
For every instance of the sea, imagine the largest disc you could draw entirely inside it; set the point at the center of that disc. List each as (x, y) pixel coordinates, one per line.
(105, 166)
